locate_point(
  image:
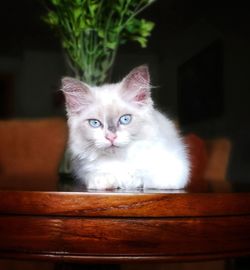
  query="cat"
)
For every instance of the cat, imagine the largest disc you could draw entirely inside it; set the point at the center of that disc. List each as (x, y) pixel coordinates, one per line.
(118, 140)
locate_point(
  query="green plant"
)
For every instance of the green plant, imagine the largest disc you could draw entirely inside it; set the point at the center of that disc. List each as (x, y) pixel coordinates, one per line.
(92, 30)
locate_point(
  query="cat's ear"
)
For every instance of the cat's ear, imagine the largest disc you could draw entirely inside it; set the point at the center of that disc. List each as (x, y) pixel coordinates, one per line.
(136, 86)
(77, 94)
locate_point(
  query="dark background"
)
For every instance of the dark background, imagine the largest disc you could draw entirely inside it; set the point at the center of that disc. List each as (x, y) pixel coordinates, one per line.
(198, 54)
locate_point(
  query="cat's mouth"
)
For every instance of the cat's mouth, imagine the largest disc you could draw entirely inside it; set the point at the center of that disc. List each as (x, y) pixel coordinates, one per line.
(112, 148)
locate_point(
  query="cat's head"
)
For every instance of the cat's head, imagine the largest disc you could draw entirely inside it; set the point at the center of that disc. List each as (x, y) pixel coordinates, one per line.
(109, 116)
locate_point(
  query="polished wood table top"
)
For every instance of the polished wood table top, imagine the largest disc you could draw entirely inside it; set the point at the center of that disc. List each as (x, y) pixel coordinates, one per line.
(116, 227)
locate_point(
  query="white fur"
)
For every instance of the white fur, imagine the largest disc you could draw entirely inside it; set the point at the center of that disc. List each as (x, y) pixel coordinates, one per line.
(147, 153)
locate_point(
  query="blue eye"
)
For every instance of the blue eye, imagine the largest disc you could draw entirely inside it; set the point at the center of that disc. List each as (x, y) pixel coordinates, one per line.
(94, 123)
(125, 119)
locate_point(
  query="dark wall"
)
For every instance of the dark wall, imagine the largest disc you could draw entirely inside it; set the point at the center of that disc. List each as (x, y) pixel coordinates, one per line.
(30, 56)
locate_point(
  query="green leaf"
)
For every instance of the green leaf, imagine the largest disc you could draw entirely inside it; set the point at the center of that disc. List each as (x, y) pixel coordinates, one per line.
(79, 2)
(66, 44)
(56, 2)
(147, 26)
(82, 25)
(92, 8)
(77, 13)
(142, 41)
(101, 33)
(51, 19)
(111, 45)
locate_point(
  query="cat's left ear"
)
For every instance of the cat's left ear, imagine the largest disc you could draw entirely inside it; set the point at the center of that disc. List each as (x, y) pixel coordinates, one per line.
(136, 86)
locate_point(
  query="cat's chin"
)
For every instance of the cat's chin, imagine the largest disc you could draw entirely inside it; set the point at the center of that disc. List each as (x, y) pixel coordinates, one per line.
(108, 151)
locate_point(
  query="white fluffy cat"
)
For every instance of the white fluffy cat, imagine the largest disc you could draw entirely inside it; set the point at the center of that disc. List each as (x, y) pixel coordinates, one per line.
(117, 139)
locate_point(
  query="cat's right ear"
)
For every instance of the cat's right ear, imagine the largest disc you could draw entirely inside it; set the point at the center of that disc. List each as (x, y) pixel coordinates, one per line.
(136, 86)
(77, 94)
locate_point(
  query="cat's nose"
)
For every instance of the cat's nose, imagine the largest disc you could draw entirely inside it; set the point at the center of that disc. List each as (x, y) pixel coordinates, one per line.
(111, 137)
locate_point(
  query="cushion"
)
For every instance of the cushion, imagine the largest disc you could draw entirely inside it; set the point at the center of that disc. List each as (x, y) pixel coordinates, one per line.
(30, 152)
(198, 158)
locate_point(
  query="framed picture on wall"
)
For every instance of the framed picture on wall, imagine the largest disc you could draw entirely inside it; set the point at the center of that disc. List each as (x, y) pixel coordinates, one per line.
(200, 89)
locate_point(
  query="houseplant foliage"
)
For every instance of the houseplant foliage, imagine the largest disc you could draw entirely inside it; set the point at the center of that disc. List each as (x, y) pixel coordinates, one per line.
(92, 30)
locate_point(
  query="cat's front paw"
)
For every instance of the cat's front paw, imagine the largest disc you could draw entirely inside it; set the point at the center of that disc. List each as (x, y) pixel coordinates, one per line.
(102, 181)
(131, 181)
(124, 180)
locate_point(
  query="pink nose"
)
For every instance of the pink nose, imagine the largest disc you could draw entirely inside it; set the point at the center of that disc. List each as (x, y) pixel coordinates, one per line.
(111, 137)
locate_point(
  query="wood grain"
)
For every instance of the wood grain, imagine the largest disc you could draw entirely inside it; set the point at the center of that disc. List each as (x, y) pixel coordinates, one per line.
(97, 236)
(123, 227)
(124, 204)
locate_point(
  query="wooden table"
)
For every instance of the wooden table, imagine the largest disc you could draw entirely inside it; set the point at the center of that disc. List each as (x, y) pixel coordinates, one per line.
(115, 227)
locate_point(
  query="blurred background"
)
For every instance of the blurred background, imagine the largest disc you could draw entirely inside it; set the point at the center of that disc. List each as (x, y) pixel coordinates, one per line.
(198, 55)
